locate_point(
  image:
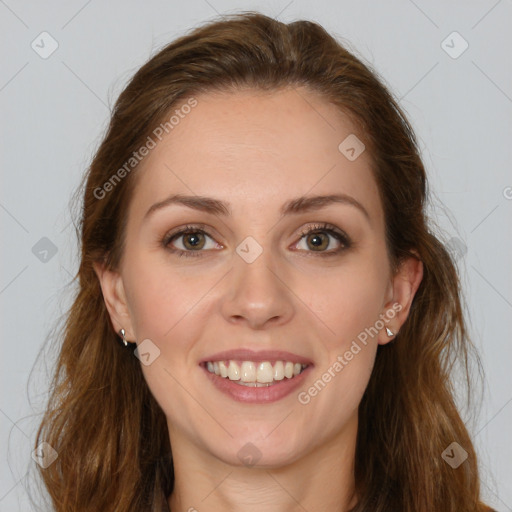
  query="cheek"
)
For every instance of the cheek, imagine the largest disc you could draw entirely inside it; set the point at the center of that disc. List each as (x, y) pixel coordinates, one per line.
(351, 308)
(160, 298)
(347, 302)
(166, 308)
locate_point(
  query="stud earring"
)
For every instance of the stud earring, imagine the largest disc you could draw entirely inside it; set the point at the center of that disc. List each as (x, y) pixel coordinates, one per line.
(389, 332)
(125, 343)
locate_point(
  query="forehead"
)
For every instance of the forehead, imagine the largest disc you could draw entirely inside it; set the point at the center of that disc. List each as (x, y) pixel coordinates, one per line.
(256, 149)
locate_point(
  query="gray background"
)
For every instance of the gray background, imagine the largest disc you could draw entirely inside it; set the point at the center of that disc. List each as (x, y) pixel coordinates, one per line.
(54, 111)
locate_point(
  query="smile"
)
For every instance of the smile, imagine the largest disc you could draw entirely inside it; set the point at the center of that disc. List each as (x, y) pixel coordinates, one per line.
(255, 374)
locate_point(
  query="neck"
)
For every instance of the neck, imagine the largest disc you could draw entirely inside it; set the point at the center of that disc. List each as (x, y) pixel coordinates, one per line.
(320, 480)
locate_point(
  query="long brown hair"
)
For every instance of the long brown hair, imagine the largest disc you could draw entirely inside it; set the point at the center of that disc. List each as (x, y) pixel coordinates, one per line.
(101, 418)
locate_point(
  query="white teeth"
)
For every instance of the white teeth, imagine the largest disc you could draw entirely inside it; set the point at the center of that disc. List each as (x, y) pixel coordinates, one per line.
(233, 371)
(223, 369)
(265, 372)
(279, 370)
(288, 370)
(248, 372)
(254, 374)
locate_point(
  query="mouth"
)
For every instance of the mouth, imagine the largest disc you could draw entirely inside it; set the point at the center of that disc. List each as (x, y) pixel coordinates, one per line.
(256, 377)
(254, 373)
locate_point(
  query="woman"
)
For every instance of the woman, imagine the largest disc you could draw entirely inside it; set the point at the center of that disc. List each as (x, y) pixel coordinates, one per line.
(254, 235)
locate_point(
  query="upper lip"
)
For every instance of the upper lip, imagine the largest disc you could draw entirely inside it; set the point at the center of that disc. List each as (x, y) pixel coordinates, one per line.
(256, 356)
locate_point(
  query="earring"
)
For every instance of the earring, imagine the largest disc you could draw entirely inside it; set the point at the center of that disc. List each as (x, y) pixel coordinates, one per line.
(125, 343)
(389, 332)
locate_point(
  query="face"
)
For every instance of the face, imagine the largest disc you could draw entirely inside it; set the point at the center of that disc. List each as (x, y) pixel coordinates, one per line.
(258, 277)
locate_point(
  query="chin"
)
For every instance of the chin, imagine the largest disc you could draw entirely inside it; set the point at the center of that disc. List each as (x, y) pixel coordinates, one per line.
(259, 453)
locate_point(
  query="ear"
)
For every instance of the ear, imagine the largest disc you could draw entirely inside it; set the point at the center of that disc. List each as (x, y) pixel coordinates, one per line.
(404, 286)
(114, 296)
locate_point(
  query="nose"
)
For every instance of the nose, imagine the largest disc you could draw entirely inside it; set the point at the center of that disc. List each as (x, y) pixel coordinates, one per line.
(257, 293)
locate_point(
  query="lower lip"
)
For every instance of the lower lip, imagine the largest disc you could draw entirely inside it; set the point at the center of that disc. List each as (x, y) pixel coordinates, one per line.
(257, 395)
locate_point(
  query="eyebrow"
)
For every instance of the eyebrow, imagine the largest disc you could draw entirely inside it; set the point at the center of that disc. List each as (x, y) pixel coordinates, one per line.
(219, 208)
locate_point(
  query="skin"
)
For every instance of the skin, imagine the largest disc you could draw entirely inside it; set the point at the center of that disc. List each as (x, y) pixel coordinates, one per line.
(256, 151)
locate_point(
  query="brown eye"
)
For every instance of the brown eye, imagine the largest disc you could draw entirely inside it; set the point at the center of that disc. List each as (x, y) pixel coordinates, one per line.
(318, 241)
(318, 238)
(189, 241)
(194, 240)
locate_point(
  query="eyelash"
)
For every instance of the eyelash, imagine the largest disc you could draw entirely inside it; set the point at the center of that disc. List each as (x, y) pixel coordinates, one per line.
(201, 228)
